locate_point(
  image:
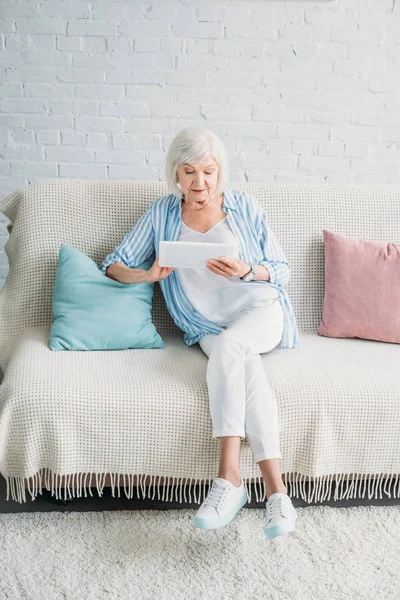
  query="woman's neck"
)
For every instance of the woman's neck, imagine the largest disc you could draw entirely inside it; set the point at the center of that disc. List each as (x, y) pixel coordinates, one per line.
(209, 207)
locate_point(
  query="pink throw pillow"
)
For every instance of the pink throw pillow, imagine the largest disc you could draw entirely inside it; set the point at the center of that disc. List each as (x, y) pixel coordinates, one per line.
(362, 289)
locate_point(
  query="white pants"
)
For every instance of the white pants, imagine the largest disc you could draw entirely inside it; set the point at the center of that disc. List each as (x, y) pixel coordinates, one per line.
(242, 401)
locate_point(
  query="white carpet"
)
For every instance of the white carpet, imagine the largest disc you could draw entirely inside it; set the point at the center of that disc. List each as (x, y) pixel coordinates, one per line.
(334, 553)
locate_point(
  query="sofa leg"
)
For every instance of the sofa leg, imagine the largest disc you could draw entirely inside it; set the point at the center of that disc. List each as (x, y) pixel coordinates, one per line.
(64, 502)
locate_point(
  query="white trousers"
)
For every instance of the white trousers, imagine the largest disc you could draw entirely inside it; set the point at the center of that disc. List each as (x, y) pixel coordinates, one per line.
(242, 402)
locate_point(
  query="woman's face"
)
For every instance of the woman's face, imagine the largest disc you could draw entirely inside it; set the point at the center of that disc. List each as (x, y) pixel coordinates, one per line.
(202, 176)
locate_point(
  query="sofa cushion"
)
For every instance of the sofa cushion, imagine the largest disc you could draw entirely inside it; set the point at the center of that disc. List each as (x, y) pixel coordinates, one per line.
(362, 289)
(94, 312)
(140, 411)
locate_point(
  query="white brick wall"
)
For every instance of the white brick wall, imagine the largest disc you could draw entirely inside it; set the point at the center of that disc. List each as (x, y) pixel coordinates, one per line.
(298, 90)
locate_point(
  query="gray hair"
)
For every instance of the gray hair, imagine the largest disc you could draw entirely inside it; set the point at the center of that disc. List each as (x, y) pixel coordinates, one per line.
(191, 145)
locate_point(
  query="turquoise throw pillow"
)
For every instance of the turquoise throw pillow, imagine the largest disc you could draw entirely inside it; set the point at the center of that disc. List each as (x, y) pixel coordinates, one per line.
(94, 312)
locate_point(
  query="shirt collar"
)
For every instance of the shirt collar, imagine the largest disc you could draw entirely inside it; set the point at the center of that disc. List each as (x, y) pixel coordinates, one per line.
(229, 200)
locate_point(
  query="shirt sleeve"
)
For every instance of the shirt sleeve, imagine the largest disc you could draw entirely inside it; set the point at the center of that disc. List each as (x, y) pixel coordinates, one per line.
(136, 247)
(274, 258)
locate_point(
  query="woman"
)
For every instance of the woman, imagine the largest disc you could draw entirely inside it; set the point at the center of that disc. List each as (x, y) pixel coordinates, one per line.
(236, 309)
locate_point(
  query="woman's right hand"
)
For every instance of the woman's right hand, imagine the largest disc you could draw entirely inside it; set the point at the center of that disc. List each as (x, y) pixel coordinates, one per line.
(156, 273)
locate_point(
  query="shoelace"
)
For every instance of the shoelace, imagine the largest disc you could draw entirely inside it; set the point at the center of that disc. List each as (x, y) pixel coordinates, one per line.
(216, 495)
(277, 506)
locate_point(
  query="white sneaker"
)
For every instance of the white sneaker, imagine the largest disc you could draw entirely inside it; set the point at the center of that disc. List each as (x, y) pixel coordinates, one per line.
(223, 502)
(281, 515)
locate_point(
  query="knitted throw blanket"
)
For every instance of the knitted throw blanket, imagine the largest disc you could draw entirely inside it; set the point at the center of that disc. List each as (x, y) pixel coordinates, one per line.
(138, 419)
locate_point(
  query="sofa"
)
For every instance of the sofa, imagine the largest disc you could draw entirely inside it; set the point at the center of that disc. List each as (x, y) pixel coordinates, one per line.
(137, 420)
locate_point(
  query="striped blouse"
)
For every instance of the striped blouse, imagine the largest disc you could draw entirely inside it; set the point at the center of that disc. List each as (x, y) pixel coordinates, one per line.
(257, 243)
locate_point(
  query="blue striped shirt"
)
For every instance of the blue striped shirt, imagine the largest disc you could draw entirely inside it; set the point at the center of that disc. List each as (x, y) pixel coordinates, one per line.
(257, 243)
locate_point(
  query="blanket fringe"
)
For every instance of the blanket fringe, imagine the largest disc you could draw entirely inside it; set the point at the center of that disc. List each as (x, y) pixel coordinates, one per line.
(310, 489)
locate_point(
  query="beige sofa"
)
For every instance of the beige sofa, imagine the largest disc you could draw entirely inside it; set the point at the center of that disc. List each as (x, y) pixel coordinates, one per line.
(66, 427)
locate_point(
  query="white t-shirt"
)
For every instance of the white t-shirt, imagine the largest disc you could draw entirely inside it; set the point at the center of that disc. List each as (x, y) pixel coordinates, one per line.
(216, 297)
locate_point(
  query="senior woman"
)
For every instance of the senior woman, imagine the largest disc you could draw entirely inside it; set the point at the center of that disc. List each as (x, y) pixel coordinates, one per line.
(236, 308)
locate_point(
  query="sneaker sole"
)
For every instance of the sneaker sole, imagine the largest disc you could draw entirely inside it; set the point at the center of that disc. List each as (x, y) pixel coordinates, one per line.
(221, 522)
(280, 529)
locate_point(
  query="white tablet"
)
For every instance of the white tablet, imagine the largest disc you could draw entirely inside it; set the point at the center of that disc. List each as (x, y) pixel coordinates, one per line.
(192, 254)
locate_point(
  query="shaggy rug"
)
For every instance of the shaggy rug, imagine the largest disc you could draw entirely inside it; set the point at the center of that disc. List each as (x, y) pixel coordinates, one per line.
(334, 553)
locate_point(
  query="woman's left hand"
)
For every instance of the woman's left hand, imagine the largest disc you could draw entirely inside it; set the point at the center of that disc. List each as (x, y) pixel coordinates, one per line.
(228, 267)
